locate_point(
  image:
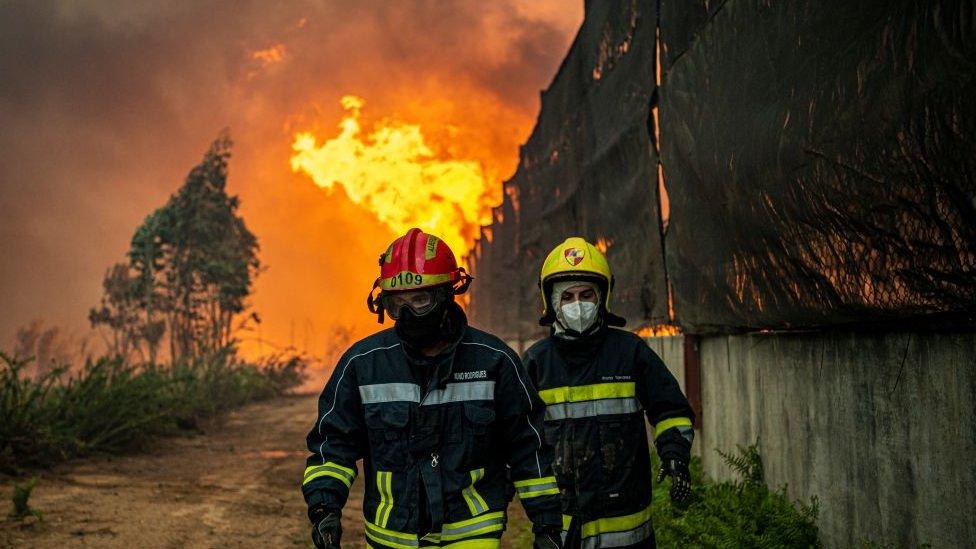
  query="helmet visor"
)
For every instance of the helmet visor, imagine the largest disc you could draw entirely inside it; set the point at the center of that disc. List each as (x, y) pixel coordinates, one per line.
(420, 302)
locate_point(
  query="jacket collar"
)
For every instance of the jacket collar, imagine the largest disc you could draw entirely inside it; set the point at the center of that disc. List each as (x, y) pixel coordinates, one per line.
(583, 349)
(443, 363)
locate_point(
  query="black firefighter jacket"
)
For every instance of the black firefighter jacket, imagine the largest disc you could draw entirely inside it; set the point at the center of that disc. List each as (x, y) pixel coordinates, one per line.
(597, 391)
(434, 453)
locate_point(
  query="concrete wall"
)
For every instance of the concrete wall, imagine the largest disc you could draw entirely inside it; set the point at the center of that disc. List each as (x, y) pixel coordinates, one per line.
(672, 352)
(881, 428)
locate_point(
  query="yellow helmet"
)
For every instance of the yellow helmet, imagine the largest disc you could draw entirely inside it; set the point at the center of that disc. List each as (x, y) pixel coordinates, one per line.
(576, 259)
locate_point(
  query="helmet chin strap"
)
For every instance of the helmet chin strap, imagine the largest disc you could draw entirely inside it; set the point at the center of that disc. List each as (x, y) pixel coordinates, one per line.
(465, 281)
(375, 304)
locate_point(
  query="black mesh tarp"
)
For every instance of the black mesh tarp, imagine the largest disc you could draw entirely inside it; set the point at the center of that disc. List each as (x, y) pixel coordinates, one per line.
(819, 159)
(821, 164)
(589, 169)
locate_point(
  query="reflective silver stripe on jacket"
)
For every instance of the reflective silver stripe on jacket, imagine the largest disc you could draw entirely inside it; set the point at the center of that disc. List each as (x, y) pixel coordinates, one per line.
(462, 392)
(408, 392)
(619, 539)
(592, 408)
(389, 392)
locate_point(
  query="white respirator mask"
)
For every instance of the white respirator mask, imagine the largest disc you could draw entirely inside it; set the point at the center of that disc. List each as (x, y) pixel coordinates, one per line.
(578, 316)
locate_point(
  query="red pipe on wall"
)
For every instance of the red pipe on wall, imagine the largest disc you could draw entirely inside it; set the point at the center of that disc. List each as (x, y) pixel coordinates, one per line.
(692, 348)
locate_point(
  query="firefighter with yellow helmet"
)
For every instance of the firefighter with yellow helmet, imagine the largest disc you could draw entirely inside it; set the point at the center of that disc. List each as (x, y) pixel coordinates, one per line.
(598, 384)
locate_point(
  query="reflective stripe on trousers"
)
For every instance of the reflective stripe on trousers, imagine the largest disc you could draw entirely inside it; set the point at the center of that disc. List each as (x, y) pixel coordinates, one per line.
(634, 530)
(462, 534)
(481, 543)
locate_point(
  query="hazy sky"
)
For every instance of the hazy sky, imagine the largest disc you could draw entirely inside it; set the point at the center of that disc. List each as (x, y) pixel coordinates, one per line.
(106, 105)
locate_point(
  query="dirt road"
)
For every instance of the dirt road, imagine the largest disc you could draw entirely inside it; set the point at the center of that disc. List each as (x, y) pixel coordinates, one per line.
(234, 486)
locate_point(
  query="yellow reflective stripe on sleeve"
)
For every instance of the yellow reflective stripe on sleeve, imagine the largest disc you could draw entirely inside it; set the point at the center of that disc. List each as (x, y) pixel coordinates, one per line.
(477, 526)
(616, 524)
(476, 504)
(329, 469)
(384, 483)
(534, 481)
(535, 487)
(583, 393)
(391, 538)
(669, 423)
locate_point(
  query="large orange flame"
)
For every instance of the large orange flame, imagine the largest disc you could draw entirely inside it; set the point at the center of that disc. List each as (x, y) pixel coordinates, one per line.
(394, 173)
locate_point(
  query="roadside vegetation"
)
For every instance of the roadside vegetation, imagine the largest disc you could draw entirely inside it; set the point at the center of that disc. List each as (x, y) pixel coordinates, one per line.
(110, 406)
(741, 513)
(170, 317)
(733, 514)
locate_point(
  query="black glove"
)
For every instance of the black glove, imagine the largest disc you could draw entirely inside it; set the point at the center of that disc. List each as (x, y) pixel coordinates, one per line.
(548, 539)
(327, 529)
(680, 479)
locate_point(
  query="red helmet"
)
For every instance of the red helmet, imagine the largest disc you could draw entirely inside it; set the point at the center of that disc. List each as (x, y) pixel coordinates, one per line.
(417, 261)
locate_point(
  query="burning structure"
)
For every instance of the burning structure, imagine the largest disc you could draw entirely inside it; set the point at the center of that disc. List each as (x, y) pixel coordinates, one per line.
(753, 168)
(752, 180)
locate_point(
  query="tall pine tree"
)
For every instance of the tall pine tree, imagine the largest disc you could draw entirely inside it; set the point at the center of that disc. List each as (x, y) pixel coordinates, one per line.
(191, 267)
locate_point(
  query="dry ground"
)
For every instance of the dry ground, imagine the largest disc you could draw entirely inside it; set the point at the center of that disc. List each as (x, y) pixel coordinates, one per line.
(237, 485)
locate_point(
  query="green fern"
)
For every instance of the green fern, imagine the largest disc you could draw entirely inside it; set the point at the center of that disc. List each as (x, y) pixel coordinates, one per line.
(748, 464)
(733, 514)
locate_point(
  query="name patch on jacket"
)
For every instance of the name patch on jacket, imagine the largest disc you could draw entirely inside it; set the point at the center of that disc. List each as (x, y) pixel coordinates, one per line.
(477, 374)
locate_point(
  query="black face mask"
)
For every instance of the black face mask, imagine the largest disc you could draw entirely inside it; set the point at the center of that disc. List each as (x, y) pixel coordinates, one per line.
(422, 331)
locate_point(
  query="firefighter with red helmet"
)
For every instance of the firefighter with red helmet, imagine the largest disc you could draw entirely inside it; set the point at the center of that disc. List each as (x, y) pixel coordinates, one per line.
(599, 384)
(443, 416)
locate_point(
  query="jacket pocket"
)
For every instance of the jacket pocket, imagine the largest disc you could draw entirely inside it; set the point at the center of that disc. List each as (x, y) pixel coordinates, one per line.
(388, 435)
(477, 422)
(562, 454)
(479, 416)
(620, 445)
